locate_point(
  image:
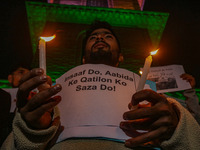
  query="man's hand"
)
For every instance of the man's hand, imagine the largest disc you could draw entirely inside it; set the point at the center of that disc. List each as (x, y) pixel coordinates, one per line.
(189, 78)
(159, 120)
(36, 111)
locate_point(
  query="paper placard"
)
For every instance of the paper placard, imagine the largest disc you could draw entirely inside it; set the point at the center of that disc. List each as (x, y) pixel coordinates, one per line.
(95, 97)
(168, 79)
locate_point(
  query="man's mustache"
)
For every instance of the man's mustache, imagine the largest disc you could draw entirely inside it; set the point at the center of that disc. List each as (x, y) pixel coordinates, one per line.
(100, 42)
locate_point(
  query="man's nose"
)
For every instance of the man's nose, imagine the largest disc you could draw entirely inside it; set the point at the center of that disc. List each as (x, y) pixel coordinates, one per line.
(100, 37)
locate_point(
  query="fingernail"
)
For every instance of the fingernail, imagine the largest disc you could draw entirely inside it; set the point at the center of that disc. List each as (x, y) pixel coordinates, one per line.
(125, 117)
(121, 124)
(57, 97)
(57, 87)
(39, 71)
(43, 77)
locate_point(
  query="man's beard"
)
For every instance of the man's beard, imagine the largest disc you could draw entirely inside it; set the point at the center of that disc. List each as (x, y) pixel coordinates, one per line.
(100, 57)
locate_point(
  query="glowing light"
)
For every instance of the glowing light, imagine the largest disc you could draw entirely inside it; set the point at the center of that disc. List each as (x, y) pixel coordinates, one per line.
(154, 52)
(47, 39)
(140, 71)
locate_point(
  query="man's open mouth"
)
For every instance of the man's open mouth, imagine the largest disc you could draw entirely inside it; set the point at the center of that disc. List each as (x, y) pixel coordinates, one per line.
(100, 45)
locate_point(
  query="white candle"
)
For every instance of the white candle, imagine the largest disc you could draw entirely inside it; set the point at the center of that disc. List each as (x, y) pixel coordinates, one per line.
(42, 51)
(145, 71)
(42, 54)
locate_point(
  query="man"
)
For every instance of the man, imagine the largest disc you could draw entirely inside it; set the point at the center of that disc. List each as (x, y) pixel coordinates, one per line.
(169, 125)
(192, 100)
(15, 76)
(6, 116)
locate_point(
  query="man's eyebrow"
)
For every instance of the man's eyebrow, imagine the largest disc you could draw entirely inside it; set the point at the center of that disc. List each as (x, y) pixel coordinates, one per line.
(105, 32)
(22, 69)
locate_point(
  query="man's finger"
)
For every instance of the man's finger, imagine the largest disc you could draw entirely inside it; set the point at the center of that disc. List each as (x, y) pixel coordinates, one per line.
(131, 133)
(26, 87)
(40, 118)
(148, 95)
(42, 97)
(138, 124)
(47, 106)
(147, 137)
(155, 111)
(31, 74)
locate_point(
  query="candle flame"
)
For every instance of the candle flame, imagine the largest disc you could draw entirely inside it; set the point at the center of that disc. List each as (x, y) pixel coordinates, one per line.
(47, 39)
(154, 52)
(140, 71)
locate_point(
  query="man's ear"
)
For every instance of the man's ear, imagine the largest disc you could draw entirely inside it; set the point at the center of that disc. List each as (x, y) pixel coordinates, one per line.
(10, 78)
(121, 58)
(83, 60)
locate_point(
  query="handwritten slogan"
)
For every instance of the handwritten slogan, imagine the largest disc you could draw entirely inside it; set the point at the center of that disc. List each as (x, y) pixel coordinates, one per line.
(94, 98)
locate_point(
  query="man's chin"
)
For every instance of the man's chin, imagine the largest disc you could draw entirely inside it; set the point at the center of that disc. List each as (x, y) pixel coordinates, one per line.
(108, 62)
(100, 49)
(100, 57)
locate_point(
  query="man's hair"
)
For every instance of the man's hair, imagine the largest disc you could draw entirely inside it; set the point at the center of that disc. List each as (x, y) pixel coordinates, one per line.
(17, 66)
(97, 25)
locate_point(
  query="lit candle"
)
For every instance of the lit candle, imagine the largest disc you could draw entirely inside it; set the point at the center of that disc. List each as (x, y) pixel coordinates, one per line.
(145, 71)
(42, 51)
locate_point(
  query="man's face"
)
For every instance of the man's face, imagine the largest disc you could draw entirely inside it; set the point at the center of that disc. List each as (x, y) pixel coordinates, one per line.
(102, 48)
(16, 76)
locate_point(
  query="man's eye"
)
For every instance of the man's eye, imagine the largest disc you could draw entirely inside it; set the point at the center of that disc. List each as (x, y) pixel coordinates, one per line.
(109, 36)
(21, 72)
(92, 38)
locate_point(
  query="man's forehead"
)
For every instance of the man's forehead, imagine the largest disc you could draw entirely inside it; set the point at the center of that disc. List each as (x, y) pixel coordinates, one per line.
(101, 30)
(21, 69)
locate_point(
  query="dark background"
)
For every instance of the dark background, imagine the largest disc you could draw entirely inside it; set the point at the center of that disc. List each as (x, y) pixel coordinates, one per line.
(179, 43)
(180, 40)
